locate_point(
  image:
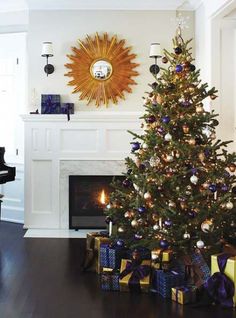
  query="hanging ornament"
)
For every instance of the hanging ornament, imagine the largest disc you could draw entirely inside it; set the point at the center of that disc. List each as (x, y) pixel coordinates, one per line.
(192, 142)
(137, 162)
(229, 205)
(164, 60)
(201, 156)
(147, 196)
(186, 103)
(199, 109)
(168, 137)
(206, 226)
(151, 119)
(136, 187)
(232, 167)
(192, 68)
(126, 183)
(145, 146)
(169, 158)
(168, 223)
(165, 119)
(120, 229)
(155, 227)
(179, 68)
(186, 236)
(135, 146)
(127, 214)
(138, 236)
(212, 187)
(120, 243)
(186, 67)
(200, 244)
(164, 244)
(142, 209)
(224, 188)
(192, 214)
(134, 223)
(185, 129)
(183, 205)
(178, 50)
(194, 179)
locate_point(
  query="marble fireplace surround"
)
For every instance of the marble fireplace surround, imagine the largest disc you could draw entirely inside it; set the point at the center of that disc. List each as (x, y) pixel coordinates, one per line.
(83, 168)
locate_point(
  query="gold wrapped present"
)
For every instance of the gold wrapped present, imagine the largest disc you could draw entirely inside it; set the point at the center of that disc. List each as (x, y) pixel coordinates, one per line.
(164, 255)
(127, 273)
(184, 295)
(230, 270)
(93, 242)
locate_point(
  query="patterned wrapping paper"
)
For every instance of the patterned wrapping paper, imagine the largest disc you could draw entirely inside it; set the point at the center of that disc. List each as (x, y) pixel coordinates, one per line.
(67, 106)
(109, 280)
(161, 258)
(93, 242)
(164, 281)
(50, 104)
(144, 283)
(230, 270)
(184, 294)
(110, 256)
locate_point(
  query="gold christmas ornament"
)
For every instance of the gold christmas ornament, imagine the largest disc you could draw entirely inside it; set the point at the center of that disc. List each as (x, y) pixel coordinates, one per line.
(159, 99)
(206, 226)
(185, 129)
(201, 156)
(147, 196)
(134, 223)
(102, 69)
(229, 205)
(192, 142)
(199, 109)
(232, 167)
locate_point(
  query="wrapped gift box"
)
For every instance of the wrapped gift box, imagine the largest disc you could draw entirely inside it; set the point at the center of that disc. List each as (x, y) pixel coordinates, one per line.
(160, 257)
(164, 281)
(230, 270)
(93, 242)
(126, 281)
(111, 255)
(50, 104)
(65, 107)
(110, 279)
(184, 294)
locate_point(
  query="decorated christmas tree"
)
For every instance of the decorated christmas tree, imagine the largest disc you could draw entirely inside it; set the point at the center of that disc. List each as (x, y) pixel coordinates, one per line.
(179, 189)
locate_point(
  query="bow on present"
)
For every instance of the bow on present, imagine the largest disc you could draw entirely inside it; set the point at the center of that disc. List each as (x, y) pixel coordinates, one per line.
(193, 273)
(137, 271)
(219, 286)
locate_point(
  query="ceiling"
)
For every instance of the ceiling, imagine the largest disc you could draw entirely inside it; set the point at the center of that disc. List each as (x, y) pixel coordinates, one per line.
(16, 5)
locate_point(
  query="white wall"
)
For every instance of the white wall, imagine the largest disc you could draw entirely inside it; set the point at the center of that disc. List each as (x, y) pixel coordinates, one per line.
(63, 28)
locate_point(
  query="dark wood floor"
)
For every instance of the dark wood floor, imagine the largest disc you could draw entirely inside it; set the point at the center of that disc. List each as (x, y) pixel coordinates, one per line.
(42, 278)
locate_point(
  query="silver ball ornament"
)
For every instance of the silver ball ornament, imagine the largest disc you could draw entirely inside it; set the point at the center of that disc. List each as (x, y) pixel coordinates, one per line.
(229, 205)
(194, 179)
(155, 227)
(169, 158)
(145, 146)
(134, 223)
(200, 244)
(168, 137)
(186, 236)
(120, 229)
(147, 196)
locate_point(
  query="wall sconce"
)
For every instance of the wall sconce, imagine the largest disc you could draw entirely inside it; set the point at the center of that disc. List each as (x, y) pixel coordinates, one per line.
(155, 52)
(47, 51)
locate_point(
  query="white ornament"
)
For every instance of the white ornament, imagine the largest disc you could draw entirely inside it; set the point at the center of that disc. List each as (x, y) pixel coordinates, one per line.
(194, 179)
(147, 196)
(120, 229)
(108, 206)
(134, 223)
(154, 256)
(155, 227)
(152, 162)
(200, 244)
(186, 236)
(229, 205)
(168, 137)
(145, 146)
(206, 226)
(169, 158)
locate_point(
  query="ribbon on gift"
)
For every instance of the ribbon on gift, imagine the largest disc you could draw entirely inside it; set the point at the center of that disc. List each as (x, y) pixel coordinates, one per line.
(137, 271)
(50, 106)
(182, 289)
(192, 271)
(219, 285)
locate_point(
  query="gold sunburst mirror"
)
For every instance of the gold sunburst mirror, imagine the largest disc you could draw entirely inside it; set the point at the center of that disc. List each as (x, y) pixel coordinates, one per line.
(101, 69)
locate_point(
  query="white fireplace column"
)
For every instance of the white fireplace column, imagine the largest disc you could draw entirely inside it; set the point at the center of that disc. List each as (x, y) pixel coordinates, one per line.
(91, 143)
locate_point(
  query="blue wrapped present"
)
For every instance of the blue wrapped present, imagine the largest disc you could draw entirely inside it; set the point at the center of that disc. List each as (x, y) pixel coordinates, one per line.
(111, 255)
(109, 280)
(67, 107)
(163, 282)
(50, 104)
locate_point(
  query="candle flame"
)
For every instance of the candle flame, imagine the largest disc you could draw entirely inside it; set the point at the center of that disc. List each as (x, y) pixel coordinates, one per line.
(103, 197)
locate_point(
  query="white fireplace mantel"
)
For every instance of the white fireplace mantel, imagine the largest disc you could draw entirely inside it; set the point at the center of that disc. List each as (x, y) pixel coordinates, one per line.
(91, 142)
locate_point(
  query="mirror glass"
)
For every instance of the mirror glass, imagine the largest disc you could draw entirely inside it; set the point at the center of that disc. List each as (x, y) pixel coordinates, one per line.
(101, 70)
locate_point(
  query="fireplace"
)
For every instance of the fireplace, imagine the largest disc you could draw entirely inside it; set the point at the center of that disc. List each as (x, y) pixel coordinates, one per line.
(88, 196)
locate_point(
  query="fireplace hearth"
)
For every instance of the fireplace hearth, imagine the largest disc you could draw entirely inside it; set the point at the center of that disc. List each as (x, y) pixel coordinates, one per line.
(88, 196)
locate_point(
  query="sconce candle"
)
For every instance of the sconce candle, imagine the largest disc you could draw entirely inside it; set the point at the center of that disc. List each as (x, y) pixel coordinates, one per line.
(155, 52)
(110, 228)
(47, 51)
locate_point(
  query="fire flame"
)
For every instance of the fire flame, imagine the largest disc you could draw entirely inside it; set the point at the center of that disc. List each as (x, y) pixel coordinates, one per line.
(103, 197)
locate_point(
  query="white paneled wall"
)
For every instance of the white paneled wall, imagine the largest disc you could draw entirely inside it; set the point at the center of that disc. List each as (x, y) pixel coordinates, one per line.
(56, 148)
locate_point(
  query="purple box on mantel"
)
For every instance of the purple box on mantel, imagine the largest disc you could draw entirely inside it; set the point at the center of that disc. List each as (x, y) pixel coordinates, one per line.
(50, 104)
(66, 106)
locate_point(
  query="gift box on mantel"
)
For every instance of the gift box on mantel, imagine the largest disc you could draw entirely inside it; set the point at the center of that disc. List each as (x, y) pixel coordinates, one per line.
(218, 284)
(163, 282)
(184, 294)
(93, 242)
(50, 104)
(135, 275)
(111, 255)
(110, 279)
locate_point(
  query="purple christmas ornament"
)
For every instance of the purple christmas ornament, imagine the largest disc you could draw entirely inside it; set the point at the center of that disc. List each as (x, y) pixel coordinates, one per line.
(186, 103)
(142, 209)
(138, 236)
(224, 188)
(120, 243)
(212, 187)
(151, 119)
(168, 223)
(135, 146)
(126, 183)
(178, 68)
(164, 244)
(191, 214)
(165, 119)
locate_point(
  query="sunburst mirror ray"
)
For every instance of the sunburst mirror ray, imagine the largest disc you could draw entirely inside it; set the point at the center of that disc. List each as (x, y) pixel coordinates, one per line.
(101, 69)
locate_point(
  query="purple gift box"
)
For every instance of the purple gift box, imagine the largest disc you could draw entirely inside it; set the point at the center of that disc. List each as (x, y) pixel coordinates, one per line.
(65, 107)
(50, 104)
